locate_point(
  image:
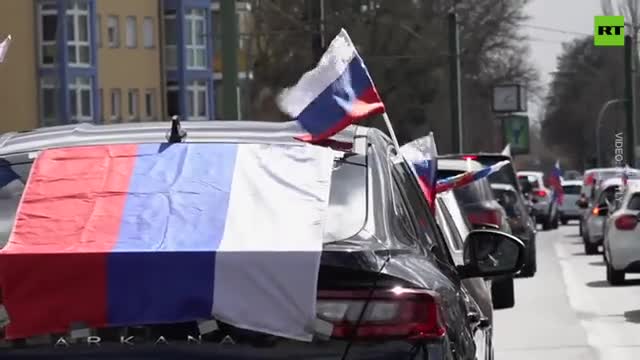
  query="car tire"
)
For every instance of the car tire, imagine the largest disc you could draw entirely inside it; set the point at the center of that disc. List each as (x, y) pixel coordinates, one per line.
(614, 277)
(555, 222)
(590, 249)
(564, 221)
(547, 224)
(503, 294)
(531, 266)
(580, 228)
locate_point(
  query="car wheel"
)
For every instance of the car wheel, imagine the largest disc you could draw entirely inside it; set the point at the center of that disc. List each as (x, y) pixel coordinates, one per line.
(590, 249)
(564, 221)
(531, 266)
(502, 294)
(614, 277)
(555, 222)
(547, 224)
(580, 228)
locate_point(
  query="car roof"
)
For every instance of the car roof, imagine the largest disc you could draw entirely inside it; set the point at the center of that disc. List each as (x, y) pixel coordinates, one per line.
(155, 132)
(501, 186)
(633, 185)
(459, 165)
(615, 181)
(527, 172)
(572, 183)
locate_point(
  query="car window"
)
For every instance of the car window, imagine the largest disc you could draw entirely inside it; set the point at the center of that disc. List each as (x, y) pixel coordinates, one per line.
(455, 239)
(634, 202)
(608, 195)
(402, 218)
(474, 192)
(571, 189)
(347, 204)
(508, 200)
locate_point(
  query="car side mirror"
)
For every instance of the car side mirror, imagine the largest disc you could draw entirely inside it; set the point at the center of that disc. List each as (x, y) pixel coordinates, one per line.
(602, 210)
(582, 203)
(489, 253)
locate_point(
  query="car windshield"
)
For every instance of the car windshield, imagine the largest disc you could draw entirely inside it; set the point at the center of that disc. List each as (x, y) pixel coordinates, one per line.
(347, 203)
(477, 191)
(531, 179)
(634, 202)
(571, 189)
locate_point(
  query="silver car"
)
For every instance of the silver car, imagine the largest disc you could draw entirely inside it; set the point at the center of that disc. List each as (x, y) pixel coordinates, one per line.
(546, 208)
(595, 217)
(569, 209)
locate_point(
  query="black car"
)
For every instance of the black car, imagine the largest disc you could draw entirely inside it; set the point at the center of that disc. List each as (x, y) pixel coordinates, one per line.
(518, 208)
(388, 287)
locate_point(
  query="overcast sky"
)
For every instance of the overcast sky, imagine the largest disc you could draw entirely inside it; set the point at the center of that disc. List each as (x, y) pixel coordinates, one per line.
(570, 16)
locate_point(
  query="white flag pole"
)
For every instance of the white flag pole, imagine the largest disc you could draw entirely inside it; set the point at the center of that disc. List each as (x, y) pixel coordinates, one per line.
(391, 132)
(4, 48)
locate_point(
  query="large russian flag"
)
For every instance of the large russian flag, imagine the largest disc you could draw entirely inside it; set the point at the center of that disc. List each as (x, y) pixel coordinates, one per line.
(468, 177)
(144, 234)
(335, 94)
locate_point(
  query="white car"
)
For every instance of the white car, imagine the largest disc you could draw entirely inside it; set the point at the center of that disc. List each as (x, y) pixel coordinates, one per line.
(546, 209)
(622, 236)
(593, 232)
(569, 210)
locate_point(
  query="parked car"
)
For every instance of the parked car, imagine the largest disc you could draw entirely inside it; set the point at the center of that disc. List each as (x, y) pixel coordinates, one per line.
(522, 226)
(569, 209)
(546, 208)
(572, 175)
(621, 245)
(593, 230)
(519, 214)
(383, 251)
(483, 212)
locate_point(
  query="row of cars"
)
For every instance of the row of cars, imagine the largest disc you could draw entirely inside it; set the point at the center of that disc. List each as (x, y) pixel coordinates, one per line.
(395, 281)
(611, 212)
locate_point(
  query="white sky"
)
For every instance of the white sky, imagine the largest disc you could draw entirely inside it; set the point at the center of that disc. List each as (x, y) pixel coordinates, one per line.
(566, 15)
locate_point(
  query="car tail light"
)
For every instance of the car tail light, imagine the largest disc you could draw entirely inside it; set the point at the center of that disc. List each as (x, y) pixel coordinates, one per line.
(485, 217)
(396, 313)
(626, 222)
(541, 193)
(595, 211)
(469, 157)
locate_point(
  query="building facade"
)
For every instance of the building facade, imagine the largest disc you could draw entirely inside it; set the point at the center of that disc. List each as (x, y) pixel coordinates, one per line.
(109, 61)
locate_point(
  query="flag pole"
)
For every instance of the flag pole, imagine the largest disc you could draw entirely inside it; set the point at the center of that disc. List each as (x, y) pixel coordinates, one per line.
(391, 132)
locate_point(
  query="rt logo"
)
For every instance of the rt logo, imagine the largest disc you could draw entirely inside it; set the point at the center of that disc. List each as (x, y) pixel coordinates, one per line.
(609, 31)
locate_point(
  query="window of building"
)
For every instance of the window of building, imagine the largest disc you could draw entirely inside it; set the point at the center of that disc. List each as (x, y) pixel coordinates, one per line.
(133, 98)
(116, 101)
(132, 33)
(173, 99)
(171, 39)
(197, 101)
(80, 99)
(148, 33)
(149, 103)
(195, 39)
(99, 30)
(113, 31)
(48, 29)
(48, 100)
(78, 32)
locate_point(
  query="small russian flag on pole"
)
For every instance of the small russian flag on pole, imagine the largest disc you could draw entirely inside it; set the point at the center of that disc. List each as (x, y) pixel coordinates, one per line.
(468, 177)
(422, 153)
(335, 94)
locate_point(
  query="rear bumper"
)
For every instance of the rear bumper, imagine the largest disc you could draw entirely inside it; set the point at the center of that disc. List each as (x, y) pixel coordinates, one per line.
(624, 253)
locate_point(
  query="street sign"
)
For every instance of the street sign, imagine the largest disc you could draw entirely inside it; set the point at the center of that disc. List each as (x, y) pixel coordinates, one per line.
(509, 98)
(515, 130)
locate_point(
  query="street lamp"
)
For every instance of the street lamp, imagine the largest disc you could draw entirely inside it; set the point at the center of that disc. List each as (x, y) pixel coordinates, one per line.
(604, 108)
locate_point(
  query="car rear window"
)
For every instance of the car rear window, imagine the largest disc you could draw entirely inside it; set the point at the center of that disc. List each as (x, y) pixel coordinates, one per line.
(634, 202)
(506, 174)
(347, 202)
(532, 180)
(474, 192)
(572, 189)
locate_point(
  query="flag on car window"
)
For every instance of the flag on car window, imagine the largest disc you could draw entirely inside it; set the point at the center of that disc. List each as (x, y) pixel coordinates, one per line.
(335, 94)
(625, 175)
(4, 48)
(122, 235)
(556, 183)
(468, 177)
(422, 153)
(7, 174)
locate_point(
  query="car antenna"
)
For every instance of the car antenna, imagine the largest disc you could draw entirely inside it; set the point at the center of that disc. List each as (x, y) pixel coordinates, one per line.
(177, 133)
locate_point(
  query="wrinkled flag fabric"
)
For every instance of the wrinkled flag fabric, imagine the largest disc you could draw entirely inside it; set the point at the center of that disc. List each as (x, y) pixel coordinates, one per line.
(422, 153)
(556, 183)
(468, 177)
(4, 48)
(335, 94)
(507, 150)
(121, 235)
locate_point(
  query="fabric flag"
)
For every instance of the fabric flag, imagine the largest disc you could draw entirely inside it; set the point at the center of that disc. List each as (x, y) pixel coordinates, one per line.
(7, 175)
(625, 175)
(120, 235)
(422, 153)
(468, 177)
(556, 183)
(590, 180)
(335, 94)
(4, 48)
(507, 150)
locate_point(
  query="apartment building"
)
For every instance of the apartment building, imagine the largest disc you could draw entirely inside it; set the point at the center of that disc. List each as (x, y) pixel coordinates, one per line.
(106, 61)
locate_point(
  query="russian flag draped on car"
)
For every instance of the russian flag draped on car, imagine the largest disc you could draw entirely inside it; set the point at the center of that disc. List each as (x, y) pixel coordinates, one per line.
(556, 183)
(121, 235)
(422, 153)
(468, 177)
(335, 94)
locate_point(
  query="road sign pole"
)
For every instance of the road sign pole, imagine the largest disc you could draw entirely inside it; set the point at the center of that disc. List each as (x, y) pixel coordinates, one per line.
(454, 85)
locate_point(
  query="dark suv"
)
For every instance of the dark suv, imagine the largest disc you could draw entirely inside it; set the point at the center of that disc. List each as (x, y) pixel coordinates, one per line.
(388, 287)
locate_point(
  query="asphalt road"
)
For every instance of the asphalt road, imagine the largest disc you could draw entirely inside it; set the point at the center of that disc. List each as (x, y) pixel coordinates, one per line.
(568, 310)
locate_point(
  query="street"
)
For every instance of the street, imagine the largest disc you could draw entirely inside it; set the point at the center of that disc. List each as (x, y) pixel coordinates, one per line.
(568, 310)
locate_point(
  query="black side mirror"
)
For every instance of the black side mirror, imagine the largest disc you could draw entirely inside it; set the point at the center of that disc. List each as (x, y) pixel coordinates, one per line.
(582, 203)
(489, 253)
